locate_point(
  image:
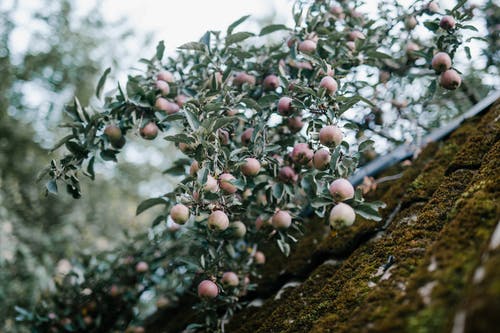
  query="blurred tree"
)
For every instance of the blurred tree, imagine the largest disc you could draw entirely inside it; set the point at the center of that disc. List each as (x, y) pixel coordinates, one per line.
(64, 55)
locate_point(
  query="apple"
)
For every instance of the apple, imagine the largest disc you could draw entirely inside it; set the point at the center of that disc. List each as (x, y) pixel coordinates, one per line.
(246, 136)
(165, 76)
(230, 279)
(251, 167)
(167, 106)
(181, 100)
(239, 229)
(355, 34)
(260, 258)
(113, 132)
(271, 82)
(282, 220)
(341, 189)
(321, 159)
(179, 214)
(330, 135)
(207, 289)
(441, 62)
(295, 124)
(285, 106)
(329, 84)
(141, 267)
(287, 175)
(450, 79)
(211, 185)
(242, 78)
(302, 154)
(163, 87)
(218, 220)
(410, 22)
(149, 131)
(447, 22)
(341, 215)
(194, 168)
(225, 183)
(308, 46)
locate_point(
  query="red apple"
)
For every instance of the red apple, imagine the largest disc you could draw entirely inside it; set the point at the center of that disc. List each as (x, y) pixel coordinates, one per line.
(441, 62)
(447, 22)
(251, 167)
(287, 175)
(285, 106)
(225, 183)
(271, 82)
(341, 189)
(450, 79)
(321, 159)
(211, 185)
(246, 136)
(330, 136)
(302, 154)
(218, 220)
(295, 124)
(149, 131)
(207, 289)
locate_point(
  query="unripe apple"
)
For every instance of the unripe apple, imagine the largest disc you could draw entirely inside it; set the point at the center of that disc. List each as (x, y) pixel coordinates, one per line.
(410, 22)
(321, 159)
(225, 183)
(162, 302)
(295, 124)
(141, 267)
(433, 7)
(211, 185)
(114, 291)
(351, 45)
(246, 136)
(149, 131)
(207, 289)
(441, 62)
(167, 106)
(165, 76)
(181, 100)
(242, 78)
(355, 34)
(88, 320)
(218, 220)
(330, 135)
(384, 76)
(163, 87)
(341, 215)
(230, 279)
(223, 136)
(113, 132)
(447, 22)
(282, 220)
(251, 167)
(239, 229)
(411, 48)
(179, 214)
(287, 175)
(194, 168)
(260, 258)
(337, 11)
(271, 82)
(341, 189)
(329, 84)
(302, 154)
(308, 46)
(285, 106)
(450, 79)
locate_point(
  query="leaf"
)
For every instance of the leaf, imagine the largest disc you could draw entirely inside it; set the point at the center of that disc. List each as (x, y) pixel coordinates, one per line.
(109, 155)
(102, 81)
(236, 23)
(179, 138)
(61, 142)
(192, 120)
(160, 49)
(238, 37)
(272, 28)
(470, 27)
(284, 247)
(459, 5)
(467, 52)
(431, 25)
(193, 46)
(222, 122)
(84, 117)
(377, 54)
(51, 186)
(365, 145)
(250, 103)
(368, 212)
(148, 203)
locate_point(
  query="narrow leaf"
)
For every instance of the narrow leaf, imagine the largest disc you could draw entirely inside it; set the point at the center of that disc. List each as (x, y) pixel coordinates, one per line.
(236, 23)
(272, 28)
(160, 49)
(102, 81)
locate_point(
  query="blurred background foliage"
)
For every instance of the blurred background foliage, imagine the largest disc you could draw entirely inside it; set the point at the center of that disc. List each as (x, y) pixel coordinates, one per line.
(65, 56)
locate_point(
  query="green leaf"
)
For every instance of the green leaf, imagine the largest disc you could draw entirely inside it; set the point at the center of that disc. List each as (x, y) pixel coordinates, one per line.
(250, 103)
(284, 247)
(379, 55)
(470, 27)
(467, 52)
(431, 25)
(238, 37)
(61, 142)
(221, 122)
(160, 49)
(148, 203)
(109, 155)
(368, 212)
(236, 23)
(102, 81)
(272, 28)
(193, 46)
(459, 5)
(365, 145)
(192, 120)
(179, 138)
(51, 186)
